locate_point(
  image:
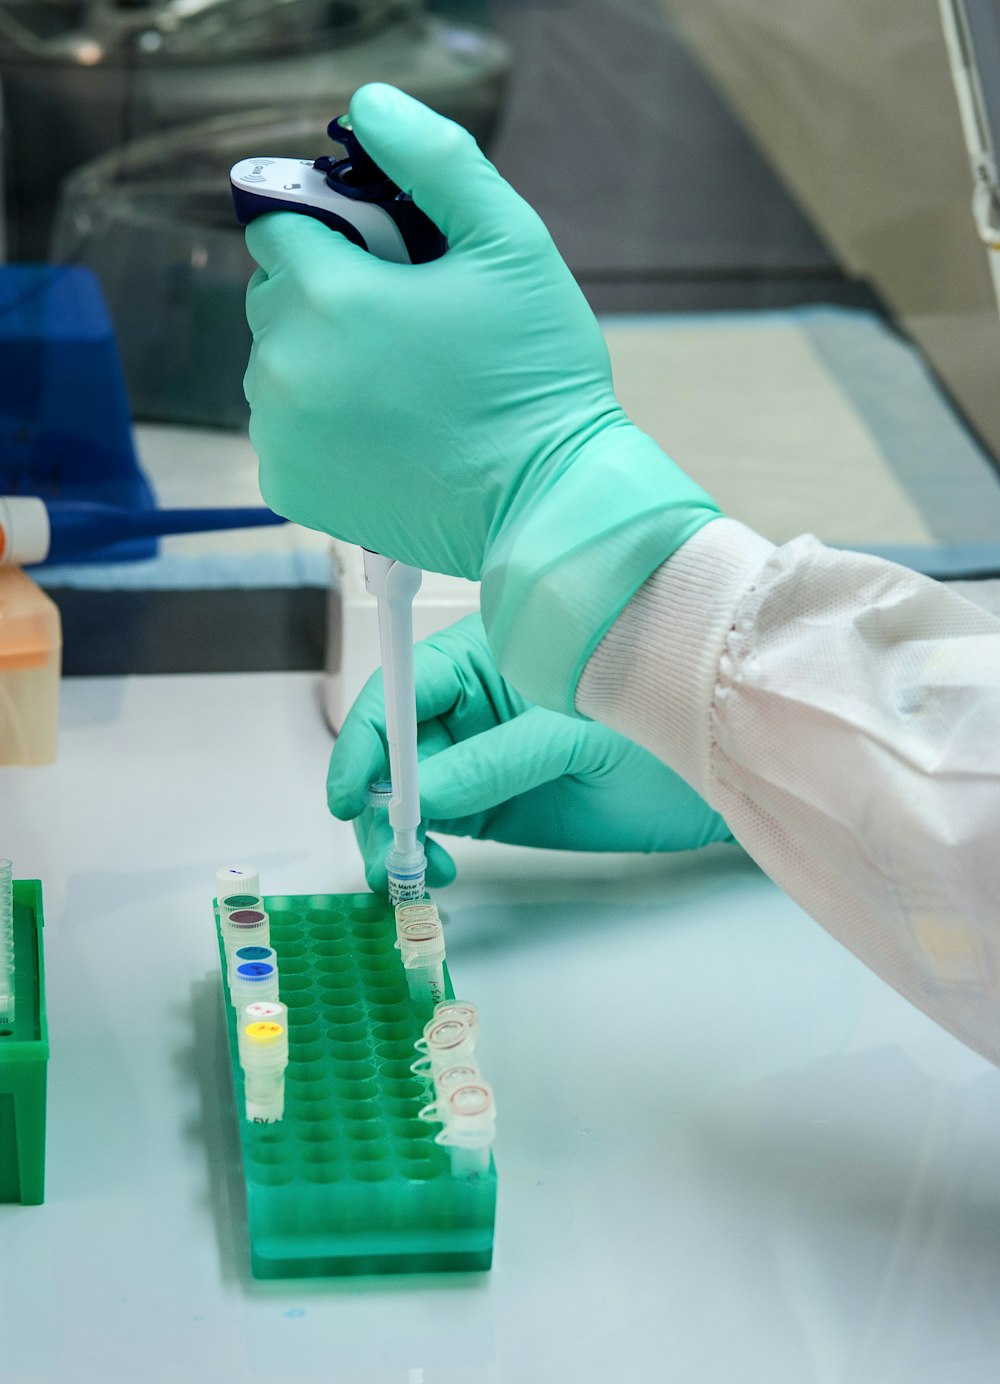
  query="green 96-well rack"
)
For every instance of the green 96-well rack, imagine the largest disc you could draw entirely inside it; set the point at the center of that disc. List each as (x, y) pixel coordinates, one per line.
(351, 1181)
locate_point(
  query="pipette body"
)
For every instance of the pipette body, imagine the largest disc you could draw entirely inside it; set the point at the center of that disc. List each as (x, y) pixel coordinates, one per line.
(394, 585)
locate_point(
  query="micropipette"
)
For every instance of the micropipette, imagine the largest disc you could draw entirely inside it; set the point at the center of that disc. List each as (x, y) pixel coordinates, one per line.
(470, 1115)
(444, 1042)
(353, 196)
(394, 585)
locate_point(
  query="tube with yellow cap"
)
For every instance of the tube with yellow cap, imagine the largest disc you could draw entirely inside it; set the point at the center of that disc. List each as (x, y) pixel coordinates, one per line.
(263, 1048)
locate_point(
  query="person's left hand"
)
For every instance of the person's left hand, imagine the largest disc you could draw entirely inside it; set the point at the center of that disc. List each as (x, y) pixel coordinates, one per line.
(496, 767)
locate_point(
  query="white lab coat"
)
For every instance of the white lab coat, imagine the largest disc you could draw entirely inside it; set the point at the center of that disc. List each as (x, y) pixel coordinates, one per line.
(843, 714)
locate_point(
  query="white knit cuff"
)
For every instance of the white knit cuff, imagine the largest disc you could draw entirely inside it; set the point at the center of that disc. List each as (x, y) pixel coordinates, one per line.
(654, 674)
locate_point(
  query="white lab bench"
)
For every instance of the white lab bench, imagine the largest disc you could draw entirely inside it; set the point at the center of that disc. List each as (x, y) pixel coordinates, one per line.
(727, 1153)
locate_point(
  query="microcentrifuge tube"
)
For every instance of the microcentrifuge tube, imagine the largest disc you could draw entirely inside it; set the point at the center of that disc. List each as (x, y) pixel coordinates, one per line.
(458, 1009)
(469, 1127)
(252, 981)
(263, 1050)
(444, 1042)
(445, 1078)
(421, 946)
(7, 986)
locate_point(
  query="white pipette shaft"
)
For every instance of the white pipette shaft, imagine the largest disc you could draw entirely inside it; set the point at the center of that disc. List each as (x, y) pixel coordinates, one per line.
(394, 585)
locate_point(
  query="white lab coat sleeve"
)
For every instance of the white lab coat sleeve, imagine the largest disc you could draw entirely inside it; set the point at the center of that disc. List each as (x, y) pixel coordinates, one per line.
(843, 715)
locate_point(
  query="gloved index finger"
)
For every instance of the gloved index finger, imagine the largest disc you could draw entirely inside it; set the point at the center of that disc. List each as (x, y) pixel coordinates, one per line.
(439, 164)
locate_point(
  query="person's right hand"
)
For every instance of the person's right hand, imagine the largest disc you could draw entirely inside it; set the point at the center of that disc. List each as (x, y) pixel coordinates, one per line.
(494, 766)
(459, 415)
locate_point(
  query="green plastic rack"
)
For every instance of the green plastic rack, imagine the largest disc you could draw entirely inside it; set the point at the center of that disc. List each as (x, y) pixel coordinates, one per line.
(351, 1180)
(24, 1055)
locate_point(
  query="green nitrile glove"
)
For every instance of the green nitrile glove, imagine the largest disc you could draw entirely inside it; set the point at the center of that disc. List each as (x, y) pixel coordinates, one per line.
(459, 415)
(494, 766)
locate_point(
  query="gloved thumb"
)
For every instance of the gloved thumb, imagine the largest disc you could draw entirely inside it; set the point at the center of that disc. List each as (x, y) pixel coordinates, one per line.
(441, 166)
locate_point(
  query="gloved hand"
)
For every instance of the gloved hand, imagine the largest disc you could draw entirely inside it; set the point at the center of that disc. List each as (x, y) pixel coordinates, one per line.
(494, 766)
(459, 415)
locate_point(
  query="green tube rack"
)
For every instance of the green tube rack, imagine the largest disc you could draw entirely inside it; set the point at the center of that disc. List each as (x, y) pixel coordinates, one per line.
(351, 1180)
(24, 1055)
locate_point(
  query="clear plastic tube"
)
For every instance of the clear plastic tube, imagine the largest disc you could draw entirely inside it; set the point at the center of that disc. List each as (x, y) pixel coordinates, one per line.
(6, 942)
(444, 1043)
(469, 1127)
(469, 1161)
(421, 946)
